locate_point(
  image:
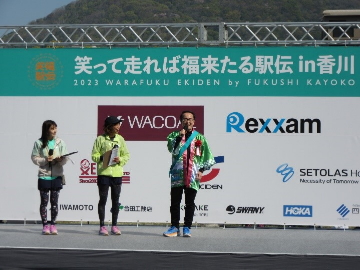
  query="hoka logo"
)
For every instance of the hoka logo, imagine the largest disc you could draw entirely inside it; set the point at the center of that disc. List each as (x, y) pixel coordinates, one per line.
(297, 211)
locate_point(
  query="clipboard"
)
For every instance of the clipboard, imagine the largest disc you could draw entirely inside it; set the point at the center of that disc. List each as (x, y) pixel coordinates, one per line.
(69, 154)
(106, 158)
(109, 156)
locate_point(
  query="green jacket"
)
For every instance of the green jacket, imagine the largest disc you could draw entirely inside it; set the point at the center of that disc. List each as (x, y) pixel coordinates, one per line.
(102, 144)
(203, 159)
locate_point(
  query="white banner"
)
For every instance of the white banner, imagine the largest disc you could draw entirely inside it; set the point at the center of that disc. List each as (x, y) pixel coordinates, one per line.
(281, 160)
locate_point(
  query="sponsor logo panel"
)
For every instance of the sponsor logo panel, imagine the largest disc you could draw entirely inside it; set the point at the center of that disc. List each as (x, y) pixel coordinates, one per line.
(135, 208)
(201, 210)
(236, 121)
(76, 207)
(319, 176)
(88, 173)
(214, 172)
(343, 210)
(149, 123)
(297, 210)
(231, 209)
(45, 71)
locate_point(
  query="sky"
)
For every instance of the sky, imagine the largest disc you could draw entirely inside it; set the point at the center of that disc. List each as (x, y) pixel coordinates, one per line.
(21, 12)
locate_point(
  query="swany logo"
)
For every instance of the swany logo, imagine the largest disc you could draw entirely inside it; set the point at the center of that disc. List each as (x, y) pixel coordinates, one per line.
(231, 209)
(236, 121)
(45, 71)
(149, 123)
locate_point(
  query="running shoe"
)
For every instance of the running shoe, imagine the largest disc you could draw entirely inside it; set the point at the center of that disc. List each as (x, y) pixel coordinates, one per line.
(186, 232)
(172, 232)
(115, 230)
(53, 229)
(103, 231)
(46, 230)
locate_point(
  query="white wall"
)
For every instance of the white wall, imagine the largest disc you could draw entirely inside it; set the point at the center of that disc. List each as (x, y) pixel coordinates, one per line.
(247, 178)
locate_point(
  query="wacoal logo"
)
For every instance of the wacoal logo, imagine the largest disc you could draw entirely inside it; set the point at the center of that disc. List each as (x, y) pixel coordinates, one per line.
(45, 71)
(149, 123)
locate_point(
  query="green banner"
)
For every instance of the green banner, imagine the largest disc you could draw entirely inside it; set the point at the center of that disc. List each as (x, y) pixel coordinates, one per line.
(234, 71)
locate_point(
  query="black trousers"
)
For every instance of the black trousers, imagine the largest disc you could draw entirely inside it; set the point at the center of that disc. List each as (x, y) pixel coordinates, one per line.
(176, 196)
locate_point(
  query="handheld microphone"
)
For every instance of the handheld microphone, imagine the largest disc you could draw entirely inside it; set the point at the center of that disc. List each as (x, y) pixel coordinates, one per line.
(185, 128)
(51, 152)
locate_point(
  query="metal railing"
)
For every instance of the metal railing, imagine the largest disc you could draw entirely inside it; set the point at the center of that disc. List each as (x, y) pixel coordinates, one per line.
(182, 34)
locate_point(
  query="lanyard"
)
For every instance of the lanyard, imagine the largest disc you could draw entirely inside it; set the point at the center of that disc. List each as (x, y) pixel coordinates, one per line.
(183, 148)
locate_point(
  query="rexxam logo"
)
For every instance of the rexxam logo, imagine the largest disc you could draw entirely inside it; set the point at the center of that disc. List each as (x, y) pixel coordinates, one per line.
(236, 121)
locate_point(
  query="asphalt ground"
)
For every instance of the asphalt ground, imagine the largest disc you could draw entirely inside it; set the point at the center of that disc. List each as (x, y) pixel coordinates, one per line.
(299, 246)
(204, 239)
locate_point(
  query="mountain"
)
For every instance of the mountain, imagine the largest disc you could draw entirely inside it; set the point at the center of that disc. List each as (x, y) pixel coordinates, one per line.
(178, 11)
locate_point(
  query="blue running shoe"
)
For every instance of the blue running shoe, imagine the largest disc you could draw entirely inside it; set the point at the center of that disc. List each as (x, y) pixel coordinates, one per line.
(172, 232)
(186, 232)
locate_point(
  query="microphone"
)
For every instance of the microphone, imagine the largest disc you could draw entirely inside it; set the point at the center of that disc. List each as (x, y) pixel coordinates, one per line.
(185, 127)
(51, 152)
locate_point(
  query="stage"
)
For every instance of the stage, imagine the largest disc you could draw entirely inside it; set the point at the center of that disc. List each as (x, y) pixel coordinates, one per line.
(80, 247)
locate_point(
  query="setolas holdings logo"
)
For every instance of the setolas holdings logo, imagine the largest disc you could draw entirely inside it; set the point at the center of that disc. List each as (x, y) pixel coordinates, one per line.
(149, 123)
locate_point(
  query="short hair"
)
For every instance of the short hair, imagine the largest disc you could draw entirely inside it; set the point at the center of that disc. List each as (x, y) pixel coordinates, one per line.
(181, 115)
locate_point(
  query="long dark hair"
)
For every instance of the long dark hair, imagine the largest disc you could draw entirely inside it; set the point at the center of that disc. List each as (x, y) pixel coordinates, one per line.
(45, 131)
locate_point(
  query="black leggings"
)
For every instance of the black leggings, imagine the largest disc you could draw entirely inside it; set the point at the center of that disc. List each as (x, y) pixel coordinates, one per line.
(103, 194)
(54, 198)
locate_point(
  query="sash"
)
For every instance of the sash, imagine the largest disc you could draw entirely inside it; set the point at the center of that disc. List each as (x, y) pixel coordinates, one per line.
(183, 148)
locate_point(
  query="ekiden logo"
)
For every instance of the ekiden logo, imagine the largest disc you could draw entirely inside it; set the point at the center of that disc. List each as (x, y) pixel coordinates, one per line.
(236, 121)
(45, 71)
(88, 173)
(211, 175)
